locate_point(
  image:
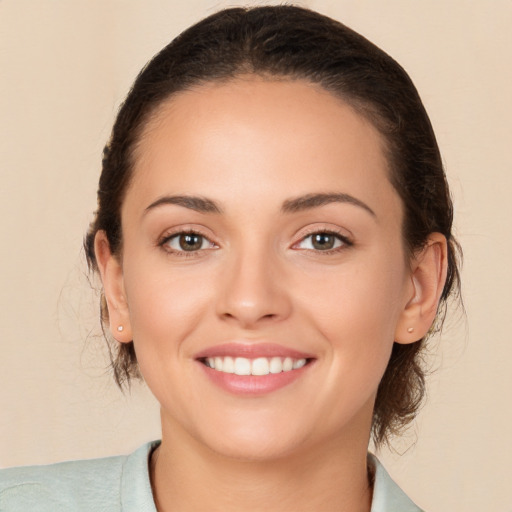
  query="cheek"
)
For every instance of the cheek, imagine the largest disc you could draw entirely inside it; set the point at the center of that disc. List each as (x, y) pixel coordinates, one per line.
(165, 309)
(367, 294)
(357, 309)
(164, 304)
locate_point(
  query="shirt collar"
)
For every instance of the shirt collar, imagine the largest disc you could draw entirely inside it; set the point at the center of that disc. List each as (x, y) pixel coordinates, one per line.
(387, 496)
(137, 496)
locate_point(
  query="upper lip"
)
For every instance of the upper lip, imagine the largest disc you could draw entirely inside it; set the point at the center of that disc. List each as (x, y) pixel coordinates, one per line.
(251, 351)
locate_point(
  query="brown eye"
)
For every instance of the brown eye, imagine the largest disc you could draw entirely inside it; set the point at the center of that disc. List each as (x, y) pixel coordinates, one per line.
(190, 242)
(187, 242)
(323, 241)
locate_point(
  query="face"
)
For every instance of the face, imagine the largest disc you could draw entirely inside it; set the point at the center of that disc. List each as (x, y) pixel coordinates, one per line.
(262, 236)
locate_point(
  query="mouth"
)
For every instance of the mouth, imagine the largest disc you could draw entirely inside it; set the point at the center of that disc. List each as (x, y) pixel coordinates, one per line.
(259, 366)
(253, 369)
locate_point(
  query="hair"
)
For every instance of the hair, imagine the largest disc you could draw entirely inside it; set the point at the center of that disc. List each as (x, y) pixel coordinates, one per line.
(290, 42)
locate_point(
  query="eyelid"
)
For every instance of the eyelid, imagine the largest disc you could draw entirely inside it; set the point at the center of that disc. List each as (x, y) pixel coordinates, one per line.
(346, 239)
(196, 229)
(169, 234)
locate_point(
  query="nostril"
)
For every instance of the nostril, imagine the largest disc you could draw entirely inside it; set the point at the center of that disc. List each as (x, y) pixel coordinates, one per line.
(248, 303)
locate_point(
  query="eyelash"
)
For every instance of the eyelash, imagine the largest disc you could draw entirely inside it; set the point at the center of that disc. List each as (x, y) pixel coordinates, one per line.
(345, 242)
(185, 254)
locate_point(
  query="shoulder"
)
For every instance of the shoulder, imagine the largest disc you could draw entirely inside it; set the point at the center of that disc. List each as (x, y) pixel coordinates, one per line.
(387, 495)
(96, 484)
(74, 486)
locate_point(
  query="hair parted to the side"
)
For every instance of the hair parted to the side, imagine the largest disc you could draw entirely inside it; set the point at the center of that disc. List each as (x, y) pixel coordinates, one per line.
(296, 43)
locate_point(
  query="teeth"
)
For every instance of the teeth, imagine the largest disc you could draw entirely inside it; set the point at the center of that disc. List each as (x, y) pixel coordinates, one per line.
(228, 365)
(276, 365)
(258, 366)
(298, 363)
(242, 366)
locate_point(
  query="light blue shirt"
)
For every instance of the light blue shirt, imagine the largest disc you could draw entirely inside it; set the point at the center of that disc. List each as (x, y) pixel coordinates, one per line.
(121, 484)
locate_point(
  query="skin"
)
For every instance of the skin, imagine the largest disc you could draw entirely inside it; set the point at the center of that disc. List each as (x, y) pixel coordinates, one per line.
(252, 145)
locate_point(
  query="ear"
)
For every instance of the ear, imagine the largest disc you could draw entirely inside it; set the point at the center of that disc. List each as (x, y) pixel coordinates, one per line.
(428, 275)
(111, 273)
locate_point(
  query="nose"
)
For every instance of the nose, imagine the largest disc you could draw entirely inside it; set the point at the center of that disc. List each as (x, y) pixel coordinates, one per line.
(253, 292)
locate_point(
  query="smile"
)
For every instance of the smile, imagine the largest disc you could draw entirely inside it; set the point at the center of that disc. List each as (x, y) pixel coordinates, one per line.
(253, 369)
(260, 366)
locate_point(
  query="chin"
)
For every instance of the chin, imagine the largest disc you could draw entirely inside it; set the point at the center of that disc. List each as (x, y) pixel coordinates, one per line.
(245, 437)
(252, 448)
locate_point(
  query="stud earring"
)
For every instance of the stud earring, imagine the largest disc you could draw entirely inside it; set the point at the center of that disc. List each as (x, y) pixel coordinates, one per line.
(411, 329)
(120, 328)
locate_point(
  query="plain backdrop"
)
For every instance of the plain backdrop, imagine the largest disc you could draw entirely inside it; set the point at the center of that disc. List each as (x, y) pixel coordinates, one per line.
(65, 66)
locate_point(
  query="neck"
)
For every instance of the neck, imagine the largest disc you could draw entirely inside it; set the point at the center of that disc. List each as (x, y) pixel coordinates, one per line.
(187, 476)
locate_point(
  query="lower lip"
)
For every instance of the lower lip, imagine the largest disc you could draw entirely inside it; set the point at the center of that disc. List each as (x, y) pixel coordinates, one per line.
(253, 384)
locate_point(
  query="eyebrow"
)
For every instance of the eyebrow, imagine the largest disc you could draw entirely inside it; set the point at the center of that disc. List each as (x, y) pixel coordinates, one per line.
(298, 204)
(196, 203)
(309, 201)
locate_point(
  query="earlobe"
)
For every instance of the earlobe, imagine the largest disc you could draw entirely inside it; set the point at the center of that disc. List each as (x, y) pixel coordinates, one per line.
(111, 274)
(428, 275)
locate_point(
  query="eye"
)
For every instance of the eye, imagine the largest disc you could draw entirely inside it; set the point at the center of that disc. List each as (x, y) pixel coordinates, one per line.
(187, 242)
(323, 241)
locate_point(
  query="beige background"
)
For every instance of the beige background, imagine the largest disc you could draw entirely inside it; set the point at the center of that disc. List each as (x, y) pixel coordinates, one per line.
(65, 65)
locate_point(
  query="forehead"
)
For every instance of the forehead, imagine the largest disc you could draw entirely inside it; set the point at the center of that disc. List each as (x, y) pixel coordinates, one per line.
(273, 136)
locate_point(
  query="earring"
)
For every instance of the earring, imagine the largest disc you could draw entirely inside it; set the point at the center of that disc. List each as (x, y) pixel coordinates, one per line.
(120, 328)
(411, 329)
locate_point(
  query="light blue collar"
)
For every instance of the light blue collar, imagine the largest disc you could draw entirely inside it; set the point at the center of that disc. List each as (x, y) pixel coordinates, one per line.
(387, 496)
(136, 494)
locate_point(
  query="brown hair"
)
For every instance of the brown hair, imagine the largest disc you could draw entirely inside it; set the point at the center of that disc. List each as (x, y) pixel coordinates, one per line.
(296, 43)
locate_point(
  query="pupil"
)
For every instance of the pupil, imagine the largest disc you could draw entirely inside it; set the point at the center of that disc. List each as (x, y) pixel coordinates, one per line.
(191, 242)
(323, 241)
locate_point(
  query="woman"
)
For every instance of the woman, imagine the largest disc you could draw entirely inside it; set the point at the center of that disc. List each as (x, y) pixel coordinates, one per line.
(274, 240)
